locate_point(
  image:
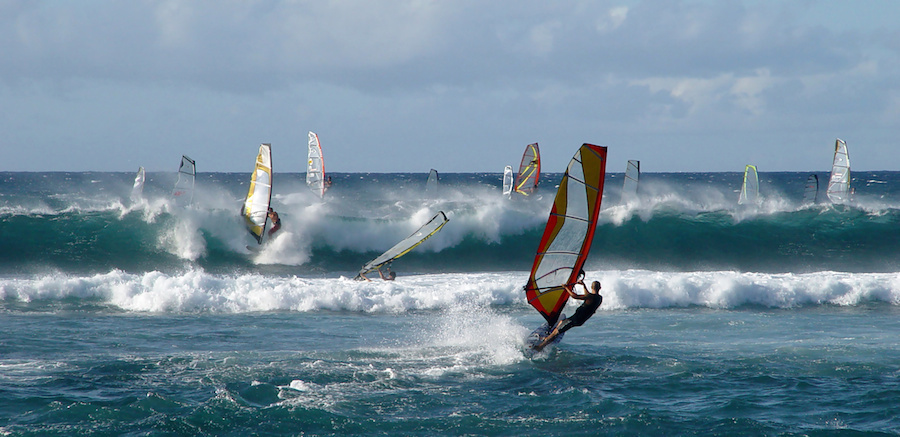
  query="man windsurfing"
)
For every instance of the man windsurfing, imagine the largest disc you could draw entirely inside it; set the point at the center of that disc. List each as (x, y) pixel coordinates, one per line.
(592, 300)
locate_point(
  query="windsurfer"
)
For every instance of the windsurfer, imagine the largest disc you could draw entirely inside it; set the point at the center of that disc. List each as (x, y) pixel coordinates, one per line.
(592, 300)
(391, 275)
(328, 183)
(276, 221)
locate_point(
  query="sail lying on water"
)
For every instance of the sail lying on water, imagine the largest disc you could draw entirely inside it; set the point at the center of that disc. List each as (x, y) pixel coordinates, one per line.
(184, 186)
(632, 180)
(405, 245)
(839, 182)
(811, 191)
(315, 168)
(507, 181)
(567, 238)
(256, 205)
(529, 171)
(750, 187)
(137, 191)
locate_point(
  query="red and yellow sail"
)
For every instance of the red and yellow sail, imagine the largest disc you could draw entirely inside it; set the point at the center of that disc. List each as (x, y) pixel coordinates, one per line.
(570, 228)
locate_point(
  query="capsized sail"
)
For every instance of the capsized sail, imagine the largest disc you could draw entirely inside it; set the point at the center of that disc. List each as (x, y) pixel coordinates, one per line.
(405, 245)
(431, 185)
(507, 181)
(839, 183)
(315, 169)
(529, 170)
(570, 228)
(256, 205)
(811, 192)
(137, 192)
(184, 186)
(632, 179)
(750, 187)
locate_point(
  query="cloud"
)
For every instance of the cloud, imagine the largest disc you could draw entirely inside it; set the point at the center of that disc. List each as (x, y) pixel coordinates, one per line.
(439, 73)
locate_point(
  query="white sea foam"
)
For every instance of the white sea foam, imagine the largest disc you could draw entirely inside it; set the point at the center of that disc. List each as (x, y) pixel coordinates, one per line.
(198, 291)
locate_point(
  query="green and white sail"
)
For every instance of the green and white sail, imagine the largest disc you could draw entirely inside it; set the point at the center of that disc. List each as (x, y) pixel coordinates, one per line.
(750, 187)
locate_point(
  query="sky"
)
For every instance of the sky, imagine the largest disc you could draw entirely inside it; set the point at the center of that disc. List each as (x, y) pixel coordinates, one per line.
(459, 86)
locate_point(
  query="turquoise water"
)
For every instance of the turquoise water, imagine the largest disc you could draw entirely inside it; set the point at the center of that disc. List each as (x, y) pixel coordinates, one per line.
(136, 319)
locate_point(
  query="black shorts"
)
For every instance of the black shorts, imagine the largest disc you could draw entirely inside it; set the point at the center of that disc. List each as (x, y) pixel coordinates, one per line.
(571, 323)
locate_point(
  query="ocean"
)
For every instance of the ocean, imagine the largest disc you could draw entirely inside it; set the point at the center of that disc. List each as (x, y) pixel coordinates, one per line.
(124, 317)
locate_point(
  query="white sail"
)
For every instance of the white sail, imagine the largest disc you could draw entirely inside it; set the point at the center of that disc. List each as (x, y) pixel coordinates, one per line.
(409, 243)
(632, 180)
(184, 186)
(315, 169)
(256, 205)
(137, 192)
(507, 181)
(839, 182)
(750, 187)
(431, 185)
(811, 192)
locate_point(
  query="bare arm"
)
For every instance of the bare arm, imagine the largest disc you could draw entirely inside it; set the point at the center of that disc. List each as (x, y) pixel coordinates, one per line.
(572, 293)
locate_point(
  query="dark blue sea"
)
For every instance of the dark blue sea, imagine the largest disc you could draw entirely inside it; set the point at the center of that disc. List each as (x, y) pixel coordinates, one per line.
(123, 317)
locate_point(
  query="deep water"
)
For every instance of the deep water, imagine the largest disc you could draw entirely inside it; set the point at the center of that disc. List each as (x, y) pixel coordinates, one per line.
(135, 318)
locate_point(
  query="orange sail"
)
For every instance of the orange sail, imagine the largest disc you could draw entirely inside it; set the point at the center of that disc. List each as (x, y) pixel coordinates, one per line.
(570, 228)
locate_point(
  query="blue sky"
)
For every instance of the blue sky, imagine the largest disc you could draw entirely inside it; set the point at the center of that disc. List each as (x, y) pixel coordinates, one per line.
(453, 85)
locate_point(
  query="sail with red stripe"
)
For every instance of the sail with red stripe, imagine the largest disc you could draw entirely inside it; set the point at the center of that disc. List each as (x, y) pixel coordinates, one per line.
(570, 228)
(529, 170)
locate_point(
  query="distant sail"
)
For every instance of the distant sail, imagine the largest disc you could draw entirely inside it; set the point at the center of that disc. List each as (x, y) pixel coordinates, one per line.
(137, 192)
(256, 205)
(839, 183)
(529, 171)
(409, 243)
(315, 169)
(507, 181)
(184, 186)
(431, 185)
(632, 180)
(570, 228)
(750, 187)
(811, 192)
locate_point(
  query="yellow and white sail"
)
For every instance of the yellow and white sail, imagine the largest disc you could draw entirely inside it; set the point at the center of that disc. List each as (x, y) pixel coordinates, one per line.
(256, 204)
